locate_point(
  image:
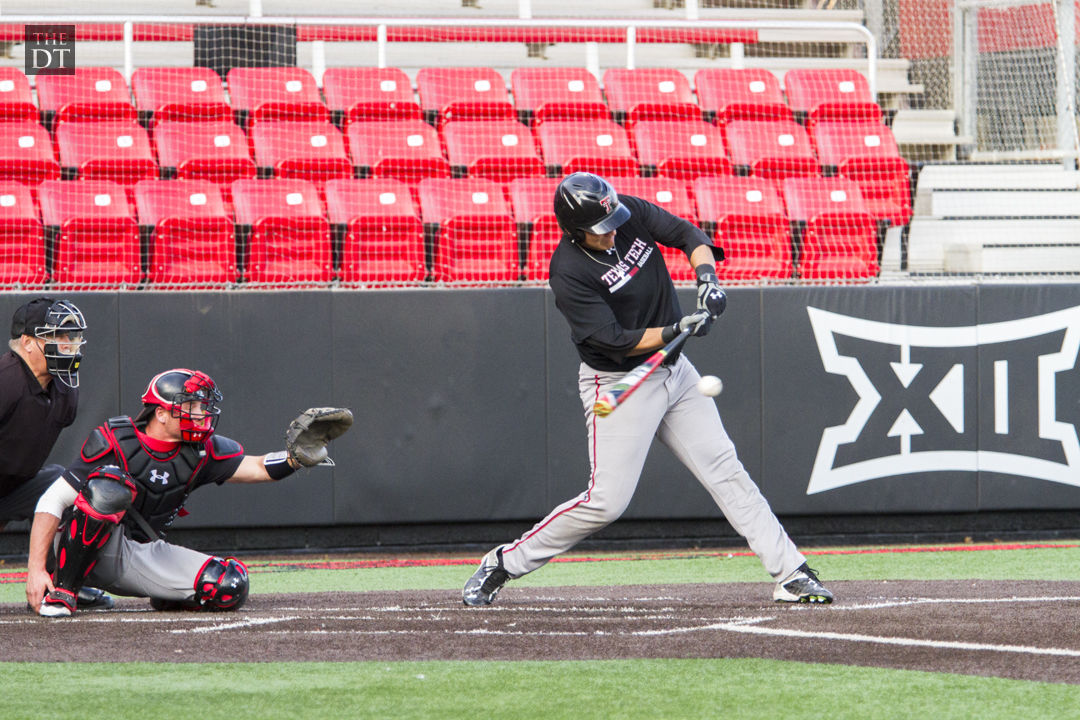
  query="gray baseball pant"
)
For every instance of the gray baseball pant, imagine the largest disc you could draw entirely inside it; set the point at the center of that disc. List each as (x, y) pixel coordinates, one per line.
(154, 569)
(668, 406)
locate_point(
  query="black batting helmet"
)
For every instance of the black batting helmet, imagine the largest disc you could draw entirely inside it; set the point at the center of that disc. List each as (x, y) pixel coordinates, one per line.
(177, 390)
(587, 203)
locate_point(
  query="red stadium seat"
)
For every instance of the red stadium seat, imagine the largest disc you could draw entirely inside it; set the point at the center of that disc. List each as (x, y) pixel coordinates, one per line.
(383, 239)
(26, 153)
(727, 94)
(193, 242)
(532, 200)
(773, 149)
(542, 94)
(290, 236)
(22, 240)
(497, 149)
(16, 100)
(96, 238)
(866, 152)
(669, 193)
(681, 148)
(746, 217)
(92, 93)
(179, 93)
(305, 150)
(598, 146)
(840, 237)
(473, 229)
(368, 93)
(649, 94)
(830, 94)
(462, 93)
(275, 93)
(106, 150)
(216, 151)
(407, 150)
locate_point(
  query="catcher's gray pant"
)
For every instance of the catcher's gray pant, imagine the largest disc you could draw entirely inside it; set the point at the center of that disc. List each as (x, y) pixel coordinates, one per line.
(668, 406)
(155, 569)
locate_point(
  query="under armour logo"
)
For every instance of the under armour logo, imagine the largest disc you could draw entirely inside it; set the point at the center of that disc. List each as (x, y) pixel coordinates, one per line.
(159, 477)
(918, 390)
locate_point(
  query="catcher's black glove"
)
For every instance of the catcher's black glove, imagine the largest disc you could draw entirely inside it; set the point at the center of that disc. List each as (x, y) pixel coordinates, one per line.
(307, 436)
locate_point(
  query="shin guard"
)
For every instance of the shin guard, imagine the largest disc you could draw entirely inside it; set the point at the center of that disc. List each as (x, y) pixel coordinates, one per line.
(97, 511)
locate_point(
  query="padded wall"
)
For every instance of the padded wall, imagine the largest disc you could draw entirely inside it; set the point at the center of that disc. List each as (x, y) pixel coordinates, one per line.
(467, 406)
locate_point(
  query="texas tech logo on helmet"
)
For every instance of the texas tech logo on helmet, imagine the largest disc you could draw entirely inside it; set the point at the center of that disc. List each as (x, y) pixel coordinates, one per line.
(918, 390)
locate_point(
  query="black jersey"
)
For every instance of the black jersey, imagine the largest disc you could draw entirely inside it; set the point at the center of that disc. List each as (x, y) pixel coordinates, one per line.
(31, 418)
(611, 298)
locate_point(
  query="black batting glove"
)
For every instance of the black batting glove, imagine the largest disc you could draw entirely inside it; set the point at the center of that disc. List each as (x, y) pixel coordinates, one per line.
(710, 296)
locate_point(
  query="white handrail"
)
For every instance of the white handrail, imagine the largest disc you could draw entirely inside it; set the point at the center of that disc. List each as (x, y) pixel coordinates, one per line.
(631, 25)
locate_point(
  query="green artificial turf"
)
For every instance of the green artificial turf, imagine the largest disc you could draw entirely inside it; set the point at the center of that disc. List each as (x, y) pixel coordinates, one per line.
(605, 690)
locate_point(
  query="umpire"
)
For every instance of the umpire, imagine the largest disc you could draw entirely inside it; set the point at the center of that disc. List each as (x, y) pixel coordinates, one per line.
(39, 397)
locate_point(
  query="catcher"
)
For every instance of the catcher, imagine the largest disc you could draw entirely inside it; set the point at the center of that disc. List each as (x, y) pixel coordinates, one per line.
(113, 506)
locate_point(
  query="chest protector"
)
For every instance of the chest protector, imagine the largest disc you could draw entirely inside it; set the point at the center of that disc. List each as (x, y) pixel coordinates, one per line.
(164, 481)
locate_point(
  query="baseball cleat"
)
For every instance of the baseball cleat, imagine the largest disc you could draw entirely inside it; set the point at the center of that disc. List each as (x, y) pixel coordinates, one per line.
(58, 603)
(487, 581)
(801, 586)
(94, 599)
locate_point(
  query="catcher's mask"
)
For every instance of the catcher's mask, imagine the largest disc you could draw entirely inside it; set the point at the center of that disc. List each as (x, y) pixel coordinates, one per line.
(187, 394)
(61, 325)
(587, 203)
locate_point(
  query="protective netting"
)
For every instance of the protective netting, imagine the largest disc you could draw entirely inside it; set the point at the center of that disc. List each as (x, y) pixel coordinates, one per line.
(186, 155)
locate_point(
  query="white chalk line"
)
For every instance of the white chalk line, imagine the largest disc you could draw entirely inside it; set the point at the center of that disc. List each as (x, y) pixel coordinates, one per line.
(945, 601)
(905, 642)
(242, 624)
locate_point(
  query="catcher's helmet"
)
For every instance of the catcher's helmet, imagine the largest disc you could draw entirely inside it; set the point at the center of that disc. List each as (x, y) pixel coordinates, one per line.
(588, 203)
(177, 391)
(61, 325)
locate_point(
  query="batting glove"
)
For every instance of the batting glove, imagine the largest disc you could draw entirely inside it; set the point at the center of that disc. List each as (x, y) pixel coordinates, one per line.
(710, 296)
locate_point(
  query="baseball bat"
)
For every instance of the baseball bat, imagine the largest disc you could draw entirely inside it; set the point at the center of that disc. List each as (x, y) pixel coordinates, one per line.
(617, 394)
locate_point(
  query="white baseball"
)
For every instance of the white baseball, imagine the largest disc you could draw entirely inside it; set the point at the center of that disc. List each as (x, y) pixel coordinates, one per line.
(710, 385)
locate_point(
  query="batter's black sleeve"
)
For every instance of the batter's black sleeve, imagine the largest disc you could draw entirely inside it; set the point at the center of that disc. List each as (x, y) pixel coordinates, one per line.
(668, 229)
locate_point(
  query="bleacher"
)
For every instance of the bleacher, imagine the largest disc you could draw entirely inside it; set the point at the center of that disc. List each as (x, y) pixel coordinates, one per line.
(186, 179)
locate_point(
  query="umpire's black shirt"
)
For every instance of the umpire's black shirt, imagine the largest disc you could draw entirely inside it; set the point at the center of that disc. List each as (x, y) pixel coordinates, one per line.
(611, 298)
(31, 418)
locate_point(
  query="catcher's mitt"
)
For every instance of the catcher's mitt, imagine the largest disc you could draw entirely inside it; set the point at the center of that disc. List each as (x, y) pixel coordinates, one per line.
(307, 435)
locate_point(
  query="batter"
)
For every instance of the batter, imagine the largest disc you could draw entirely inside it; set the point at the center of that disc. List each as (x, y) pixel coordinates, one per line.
(614, 290)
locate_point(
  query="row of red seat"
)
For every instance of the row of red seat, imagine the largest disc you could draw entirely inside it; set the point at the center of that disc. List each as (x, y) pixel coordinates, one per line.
(465, 230)
(502, 150)
(365, 93)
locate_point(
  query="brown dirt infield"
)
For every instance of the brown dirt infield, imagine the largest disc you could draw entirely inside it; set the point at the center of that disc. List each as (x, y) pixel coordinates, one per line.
(1025, 630)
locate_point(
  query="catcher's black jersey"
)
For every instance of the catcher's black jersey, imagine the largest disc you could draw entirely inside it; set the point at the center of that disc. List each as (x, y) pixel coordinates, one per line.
(165, 473)
(611, 298)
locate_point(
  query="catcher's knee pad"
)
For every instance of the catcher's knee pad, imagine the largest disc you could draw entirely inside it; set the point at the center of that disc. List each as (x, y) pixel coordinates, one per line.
(98, 509)
(222, 584)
